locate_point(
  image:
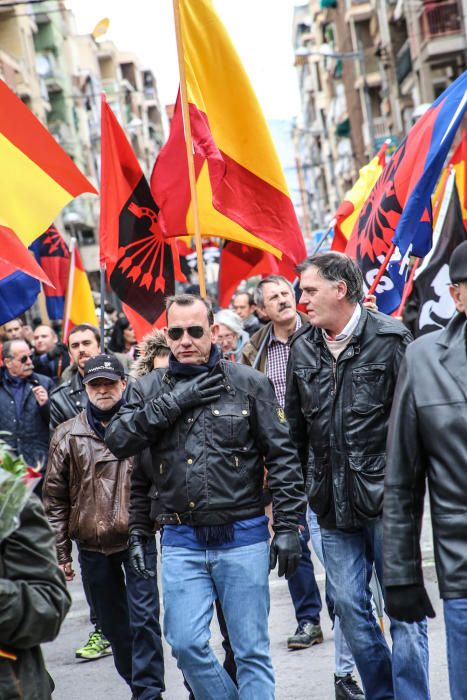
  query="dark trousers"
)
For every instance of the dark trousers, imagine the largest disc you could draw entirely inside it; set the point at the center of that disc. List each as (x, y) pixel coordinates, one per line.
(84, 582)
(129, 617)
(303, 588)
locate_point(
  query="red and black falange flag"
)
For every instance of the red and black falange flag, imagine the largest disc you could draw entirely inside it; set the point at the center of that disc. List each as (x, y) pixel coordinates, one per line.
(53, 256)
(138, 260)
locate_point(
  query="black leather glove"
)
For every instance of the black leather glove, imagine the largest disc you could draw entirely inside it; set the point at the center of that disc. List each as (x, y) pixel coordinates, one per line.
(408, 603)
(198, 393)
(286, 548)
(137, 555)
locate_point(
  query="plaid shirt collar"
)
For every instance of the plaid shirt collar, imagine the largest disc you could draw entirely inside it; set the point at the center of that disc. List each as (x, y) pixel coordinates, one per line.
(273, 339)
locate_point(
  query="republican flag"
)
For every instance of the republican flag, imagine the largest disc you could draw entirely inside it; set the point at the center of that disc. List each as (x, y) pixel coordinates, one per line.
(79, 304)
(139, 262)
(20, 276)
(239, 262)
(37, 177)
(52, 254)
(242, 192)
(347, 214)
(398, 210)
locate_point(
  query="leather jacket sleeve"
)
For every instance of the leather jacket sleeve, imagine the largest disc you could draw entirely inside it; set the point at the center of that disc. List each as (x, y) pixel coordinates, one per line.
(56, 493)
(57, 416)
(285, 478)
(139, 520)
(295, 418)
(138, 423)
(404, 488)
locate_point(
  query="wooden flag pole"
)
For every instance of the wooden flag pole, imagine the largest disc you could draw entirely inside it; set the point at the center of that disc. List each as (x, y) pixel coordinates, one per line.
(189, 148)
(69, 290)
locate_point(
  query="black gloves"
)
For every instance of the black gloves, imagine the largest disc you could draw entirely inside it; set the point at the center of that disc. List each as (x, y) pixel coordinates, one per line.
(408, 603)
(136, 555)
(286, 548)
(198, 393)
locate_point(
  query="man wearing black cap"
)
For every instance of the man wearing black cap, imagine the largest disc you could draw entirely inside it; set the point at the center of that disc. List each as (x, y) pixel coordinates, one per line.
(86, 496)
(428, 439)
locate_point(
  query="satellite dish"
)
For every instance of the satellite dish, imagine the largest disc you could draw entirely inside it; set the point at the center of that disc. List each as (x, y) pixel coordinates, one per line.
(101, 28)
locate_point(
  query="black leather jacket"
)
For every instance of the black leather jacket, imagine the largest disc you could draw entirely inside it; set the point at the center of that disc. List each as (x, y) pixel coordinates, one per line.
(67, 400)
(208, 463)
(428, 438)
(338, 414)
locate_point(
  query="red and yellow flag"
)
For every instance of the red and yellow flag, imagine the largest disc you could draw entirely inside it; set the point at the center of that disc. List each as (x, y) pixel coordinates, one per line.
(79, 304)
(354, 199)
(458, 162)
(37, 177)
(243, 195)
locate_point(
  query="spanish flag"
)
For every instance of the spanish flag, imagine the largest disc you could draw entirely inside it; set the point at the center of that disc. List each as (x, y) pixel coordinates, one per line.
(458, 162)
(347, 214)
(79, 304)
(37, 178)
(242, 192)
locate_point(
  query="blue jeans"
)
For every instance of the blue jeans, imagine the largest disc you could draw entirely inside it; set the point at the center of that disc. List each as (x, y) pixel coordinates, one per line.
(455, 620)
(303, 588)
(127, 607)
(349, 557)
(192, 580)
(343, 656)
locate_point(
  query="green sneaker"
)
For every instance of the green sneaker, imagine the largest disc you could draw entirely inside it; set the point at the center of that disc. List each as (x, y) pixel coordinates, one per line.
(96, 647)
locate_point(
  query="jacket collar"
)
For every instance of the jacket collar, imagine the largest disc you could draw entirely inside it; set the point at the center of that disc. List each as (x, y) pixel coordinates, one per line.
(454, 356)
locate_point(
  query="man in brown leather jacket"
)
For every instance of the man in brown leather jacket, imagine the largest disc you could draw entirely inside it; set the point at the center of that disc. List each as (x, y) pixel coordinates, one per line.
(86, 495)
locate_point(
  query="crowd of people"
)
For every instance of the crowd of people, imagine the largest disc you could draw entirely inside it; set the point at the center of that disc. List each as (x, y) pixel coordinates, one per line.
(243, 437)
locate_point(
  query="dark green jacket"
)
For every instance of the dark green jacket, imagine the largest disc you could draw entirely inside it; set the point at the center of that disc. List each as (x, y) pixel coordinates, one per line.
(33, 603)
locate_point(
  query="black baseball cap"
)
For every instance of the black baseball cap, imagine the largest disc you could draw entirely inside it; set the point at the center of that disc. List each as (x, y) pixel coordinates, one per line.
(458, 264)
(103, 367)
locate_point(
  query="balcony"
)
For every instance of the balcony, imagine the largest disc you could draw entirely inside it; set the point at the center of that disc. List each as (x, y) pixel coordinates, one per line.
(440, 19)
(403, 63)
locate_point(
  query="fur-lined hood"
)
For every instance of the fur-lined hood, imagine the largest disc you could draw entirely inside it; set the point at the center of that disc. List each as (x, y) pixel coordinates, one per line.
(148, 348)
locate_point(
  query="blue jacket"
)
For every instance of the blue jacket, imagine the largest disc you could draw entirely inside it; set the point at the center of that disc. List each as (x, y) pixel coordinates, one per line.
(29, 434)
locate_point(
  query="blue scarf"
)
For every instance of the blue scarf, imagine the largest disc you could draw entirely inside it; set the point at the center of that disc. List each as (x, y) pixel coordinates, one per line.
(179, 369)
(96, 415)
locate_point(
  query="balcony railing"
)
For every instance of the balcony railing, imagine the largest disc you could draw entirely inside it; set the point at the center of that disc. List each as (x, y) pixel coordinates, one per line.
(440, 19)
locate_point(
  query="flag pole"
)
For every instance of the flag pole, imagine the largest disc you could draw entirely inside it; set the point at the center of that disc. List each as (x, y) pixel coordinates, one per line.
(69, 290)
(189, 148)
(408, 288)
(102, 316)
(382, 269)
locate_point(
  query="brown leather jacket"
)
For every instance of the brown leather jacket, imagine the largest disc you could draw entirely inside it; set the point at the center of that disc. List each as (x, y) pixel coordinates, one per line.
(86, 491)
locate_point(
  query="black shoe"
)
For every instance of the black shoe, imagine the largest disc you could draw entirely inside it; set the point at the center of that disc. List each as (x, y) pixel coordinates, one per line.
(347, 688)
(305, 636)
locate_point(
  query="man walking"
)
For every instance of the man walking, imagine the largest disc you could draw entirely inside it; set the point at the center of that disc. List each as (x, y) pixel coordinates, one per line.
(211, 426)
(340, 380)
(428, 440)
(86, 495)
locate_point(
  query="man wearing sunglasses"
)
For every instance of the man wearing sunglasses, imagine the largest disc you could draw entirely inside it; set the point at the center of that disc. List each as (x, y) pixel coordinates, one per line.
(24, 403)
(212, 426)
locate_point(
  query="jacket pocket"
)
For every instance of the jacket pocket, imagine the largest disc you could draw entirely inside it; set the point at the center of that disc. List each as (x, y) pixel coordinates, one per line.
(230, 425)
(318, 485)
(306, 379)
(368, 388)
(366, 484)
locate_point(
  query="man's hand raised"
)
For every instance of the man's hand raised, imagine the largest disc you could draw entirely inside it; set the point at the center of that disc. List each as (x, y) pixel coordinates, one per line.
(199, 393)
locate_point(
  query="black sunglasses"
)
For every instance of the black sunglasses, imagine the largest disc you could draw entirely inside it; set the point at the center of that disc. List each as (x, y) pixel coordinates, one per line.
(176, 332)
(24, 358)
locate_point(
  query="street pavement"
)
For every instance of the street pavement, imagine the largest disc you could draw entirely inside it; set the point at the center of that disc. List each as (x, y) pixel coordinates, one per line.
(300, 675)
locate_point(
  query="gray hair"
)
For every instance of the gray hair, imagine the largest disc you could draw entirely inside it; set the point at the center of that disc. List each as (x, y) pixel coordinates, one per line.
(337, 267)
(7, 347)
(272, 279)
(229, 318)
(189, 300)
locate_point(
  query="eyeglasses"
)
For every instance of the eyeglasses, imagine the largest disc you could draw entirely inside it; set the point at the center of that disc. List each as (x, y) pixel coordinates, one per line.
(176, 332)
